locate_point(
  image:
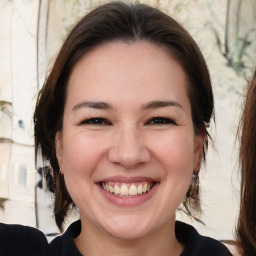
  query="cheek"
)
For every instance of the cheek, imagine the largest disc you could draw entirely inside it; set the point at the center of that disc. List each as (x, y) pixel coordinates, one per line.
(175, 154)
(81, 154)
(176, 150)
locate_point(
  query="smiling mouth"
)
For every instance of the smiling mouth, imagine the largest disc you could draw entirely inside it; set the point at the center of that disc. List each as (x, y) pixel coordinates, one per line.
(127, 190)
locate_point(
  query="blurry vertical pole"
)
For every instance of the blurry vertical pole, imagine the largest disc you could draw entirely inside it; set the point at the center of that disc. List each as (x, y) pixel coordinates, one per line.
(41, 65)
(226, 50)
(41, 42)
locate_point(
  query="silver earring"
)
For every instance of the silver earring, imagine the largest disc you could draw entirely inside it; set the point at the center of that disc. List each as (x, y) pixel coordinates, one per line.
(194, 176)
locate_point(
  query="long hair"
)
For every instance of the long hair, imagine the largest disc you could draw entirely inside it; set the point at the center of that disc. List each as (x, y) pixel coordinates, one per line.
(246, 226)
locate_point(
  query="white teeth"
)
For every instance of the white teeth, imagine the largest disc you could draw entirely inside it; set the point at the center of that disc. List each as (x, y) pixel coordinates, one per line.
(133, 190)
(111, 190)
(140, 189)
(125, 190)
(116, 190)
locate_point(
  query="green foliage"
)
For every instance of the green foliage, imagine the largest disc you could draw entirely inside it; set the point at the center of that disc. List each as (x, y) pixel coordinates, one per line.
(238, 45)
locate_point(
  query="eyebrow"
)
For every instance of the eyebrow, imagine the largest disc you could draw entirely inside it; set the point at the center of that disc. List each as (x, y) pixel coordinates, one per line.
(106, 106)
(92, 104)
(160, 104)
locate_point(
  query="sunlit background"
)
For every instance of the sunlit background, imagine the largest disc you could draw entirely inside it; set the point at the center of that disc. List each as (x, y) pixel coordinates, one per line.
(30, 36)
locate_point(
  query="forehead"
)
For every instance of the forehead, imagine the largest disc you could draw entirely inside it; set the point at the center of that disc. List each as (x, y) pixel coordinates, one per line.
(133, 70)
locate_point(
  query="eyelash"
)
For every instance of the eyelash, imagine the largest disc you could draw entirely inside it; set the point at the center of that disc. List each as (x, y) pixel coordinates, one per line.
(153, 121)
(158, 120)
(96, 121)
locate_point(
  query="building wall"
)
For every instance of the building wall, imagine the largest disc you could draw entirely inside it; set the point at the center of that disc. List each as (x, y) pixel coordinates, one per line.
(18, 87)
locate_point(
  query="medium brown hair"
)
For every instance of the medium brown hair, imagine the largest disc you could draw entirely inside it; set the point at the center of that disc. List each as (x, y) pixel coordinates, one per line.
(246, 226)
(116, 22)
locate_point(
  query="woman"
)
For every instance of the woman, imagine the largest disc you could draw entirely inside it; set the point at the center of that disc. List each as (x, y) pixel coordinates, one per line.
(121, 119)
(246, 227)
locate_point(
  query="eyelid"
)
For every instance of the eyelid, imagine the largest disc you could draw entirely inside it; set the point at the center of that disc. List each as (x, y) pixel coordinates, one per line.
(164, 121)
(94, 121)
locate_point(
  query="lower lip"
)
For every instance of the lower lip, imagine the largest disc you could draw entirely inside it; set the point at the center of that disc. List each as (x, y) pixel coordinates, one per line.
(129, 201)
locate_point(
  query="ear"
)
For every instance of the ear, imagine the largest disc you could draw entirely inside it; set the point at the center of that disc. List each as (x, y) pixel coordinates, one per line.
(59, 147)
(198, 149)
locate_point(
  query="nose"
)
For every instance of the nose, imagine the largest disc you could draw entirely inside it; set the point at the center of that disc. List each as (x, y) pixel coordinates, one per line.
(129, 149)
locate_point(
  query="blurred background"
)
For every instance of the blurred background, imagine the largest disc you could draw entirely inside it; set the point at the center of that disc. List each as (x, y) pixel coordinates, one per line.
(30, 36)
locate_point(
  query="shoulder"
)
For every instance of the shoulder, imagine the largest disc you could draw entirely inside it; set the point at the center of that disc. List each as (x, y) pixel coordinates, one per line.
(196, 244)
(64, 245)
(21, 240)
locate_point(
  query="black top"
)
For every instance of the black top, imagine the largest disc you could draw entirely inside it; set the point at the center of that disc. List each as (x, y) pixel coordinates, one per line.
(20, 240)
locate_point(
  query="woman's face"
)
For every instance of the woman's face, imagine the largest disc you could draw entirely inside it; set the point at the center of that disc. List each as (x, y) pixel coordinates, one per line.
(128, 148)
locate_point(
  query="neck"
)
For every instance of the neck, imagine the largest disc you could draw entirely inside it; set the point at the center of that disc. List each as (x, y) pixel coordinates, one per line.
(162, 242)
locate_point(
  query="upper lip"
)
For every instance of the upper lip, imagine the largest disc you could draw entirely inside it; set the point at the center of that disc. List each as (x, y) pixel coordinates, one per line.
(125, 179)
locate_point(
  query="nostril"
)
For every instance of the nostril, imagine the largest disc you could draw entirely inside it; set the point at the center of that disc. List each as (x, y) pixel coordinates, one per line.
(129, 160)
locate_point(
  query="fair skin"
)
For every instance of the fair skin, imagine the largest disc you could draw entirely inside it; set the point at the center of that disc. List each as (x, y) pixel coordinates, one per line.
(127, 122)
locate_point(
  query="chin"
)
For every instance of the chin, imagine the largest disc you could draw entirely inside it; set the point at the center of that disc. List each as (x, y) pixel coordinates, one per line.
(128, 229)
